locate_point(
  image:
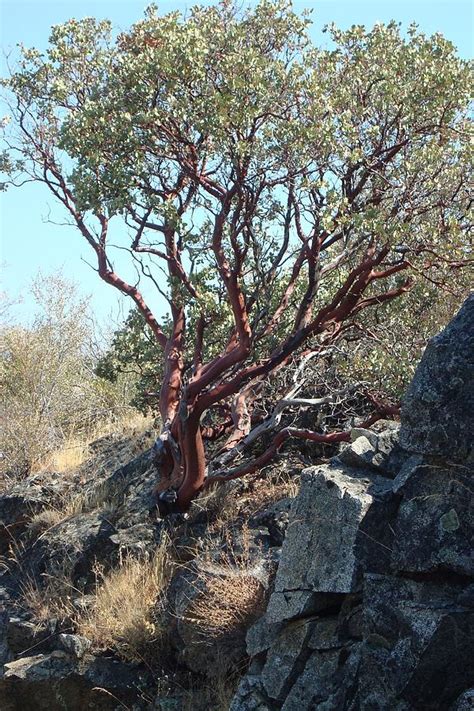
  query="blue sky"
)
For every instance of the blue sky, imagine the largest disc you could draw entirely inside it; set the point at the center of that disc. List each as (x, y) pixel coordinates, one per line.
(30, 243)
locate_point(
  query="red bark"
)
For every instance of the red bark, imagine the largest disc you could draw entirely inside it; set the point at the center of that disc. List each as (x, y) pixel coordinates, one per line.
(309, 435)
(184, 399)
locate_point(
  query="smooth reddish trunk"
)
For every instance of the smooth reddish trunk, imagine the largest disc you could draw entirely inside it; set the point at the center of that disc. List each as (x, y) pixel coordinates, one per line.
(194, 468)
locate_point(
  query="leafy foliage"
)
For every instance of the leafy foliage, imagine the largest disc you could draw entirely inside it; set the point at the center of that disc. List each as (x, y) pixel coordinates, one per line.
(134, 351)
(269, 190)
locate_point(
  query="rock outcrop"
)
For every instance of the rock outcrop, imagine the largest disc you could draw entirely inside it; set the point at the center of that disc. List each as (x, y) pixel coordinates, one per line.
(437, 416)
(365, 577)
(373, 604)
(59, 680)
(44, 665)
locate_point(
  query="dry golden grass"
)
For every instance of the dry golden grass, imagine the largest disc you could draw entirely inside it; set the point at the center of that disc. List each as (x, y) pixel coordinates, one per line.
(229, 596)
(122, 616)
(44, 520)
(227, 605)
(52, 600)
(75, 451)
(134, 430)
(70, 456)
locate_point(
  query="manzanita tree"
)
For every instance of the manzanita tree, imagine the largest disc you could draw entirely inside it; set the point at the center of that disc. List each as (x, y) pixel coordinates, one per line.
(270, 191)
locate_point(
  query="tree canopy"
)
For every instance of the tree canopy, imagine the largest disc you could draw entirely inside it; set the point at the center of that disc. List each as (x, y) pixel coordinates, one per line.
(269, 190)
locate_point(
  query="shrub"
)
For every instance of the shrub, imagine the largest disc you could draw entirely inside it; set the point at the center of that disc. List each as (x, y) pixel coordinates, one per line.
(50, 392)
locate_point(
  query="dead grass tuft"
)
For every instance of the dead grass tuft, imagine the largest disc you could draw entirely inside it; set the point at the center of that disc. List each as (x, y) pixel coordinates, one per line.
(229, 596)
(220, 501)
(52, 600)
(44, 520)
(70, 456)
(123, 614)
(234, 501)
(227, 605)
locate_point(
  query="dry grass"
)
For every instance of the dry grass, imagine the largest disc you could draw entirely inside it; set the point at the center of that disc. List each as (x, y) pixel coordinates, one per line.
(69, 506)
(75, 451)
(123, 614)
(134, 430)
(228, 604)
(264, 493)
(230, 502)
(228, 598)
(216, 696)
(70, 456)
(44, 520)
(52, 600)
(219, 501)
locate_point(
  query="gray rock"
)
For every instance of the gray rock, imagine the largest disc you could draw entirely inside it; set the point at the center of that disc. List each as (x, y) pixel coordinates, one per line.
(5, 651)
(250, 696)
(314, 683)
(372, 600)
(20, 502)
(24, 636)
(132, 489)
(328, 681)
(137, 540)
(438, 409)
(465, 702)
(57, 681)
(168, 704)
(275, 518)
(261, 636)
(419, 644)
(357, 432)
(379, 451)
(75, 644)
(285, 659)
(287, 605)
(360, 453)
(434, 530)
(339, 526)
(405, 471)
(74, 546)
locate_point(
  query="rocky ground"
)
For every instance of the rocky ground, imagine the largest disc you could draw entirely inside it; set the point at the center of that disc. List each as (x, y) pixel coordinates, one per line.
(57, 531)
(347, 586)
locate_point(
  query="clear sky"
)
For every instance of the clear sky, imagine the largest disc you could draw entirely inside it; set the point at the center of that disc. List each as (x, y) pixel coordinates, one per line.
(31, 243)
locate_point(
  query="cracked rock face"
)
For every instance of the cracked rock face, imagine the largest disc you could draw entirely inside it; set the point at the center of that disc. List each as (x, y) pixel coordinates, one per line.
(438, 409)
(418, 643)
(435, 524)
(327, 546)
(373, 605)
